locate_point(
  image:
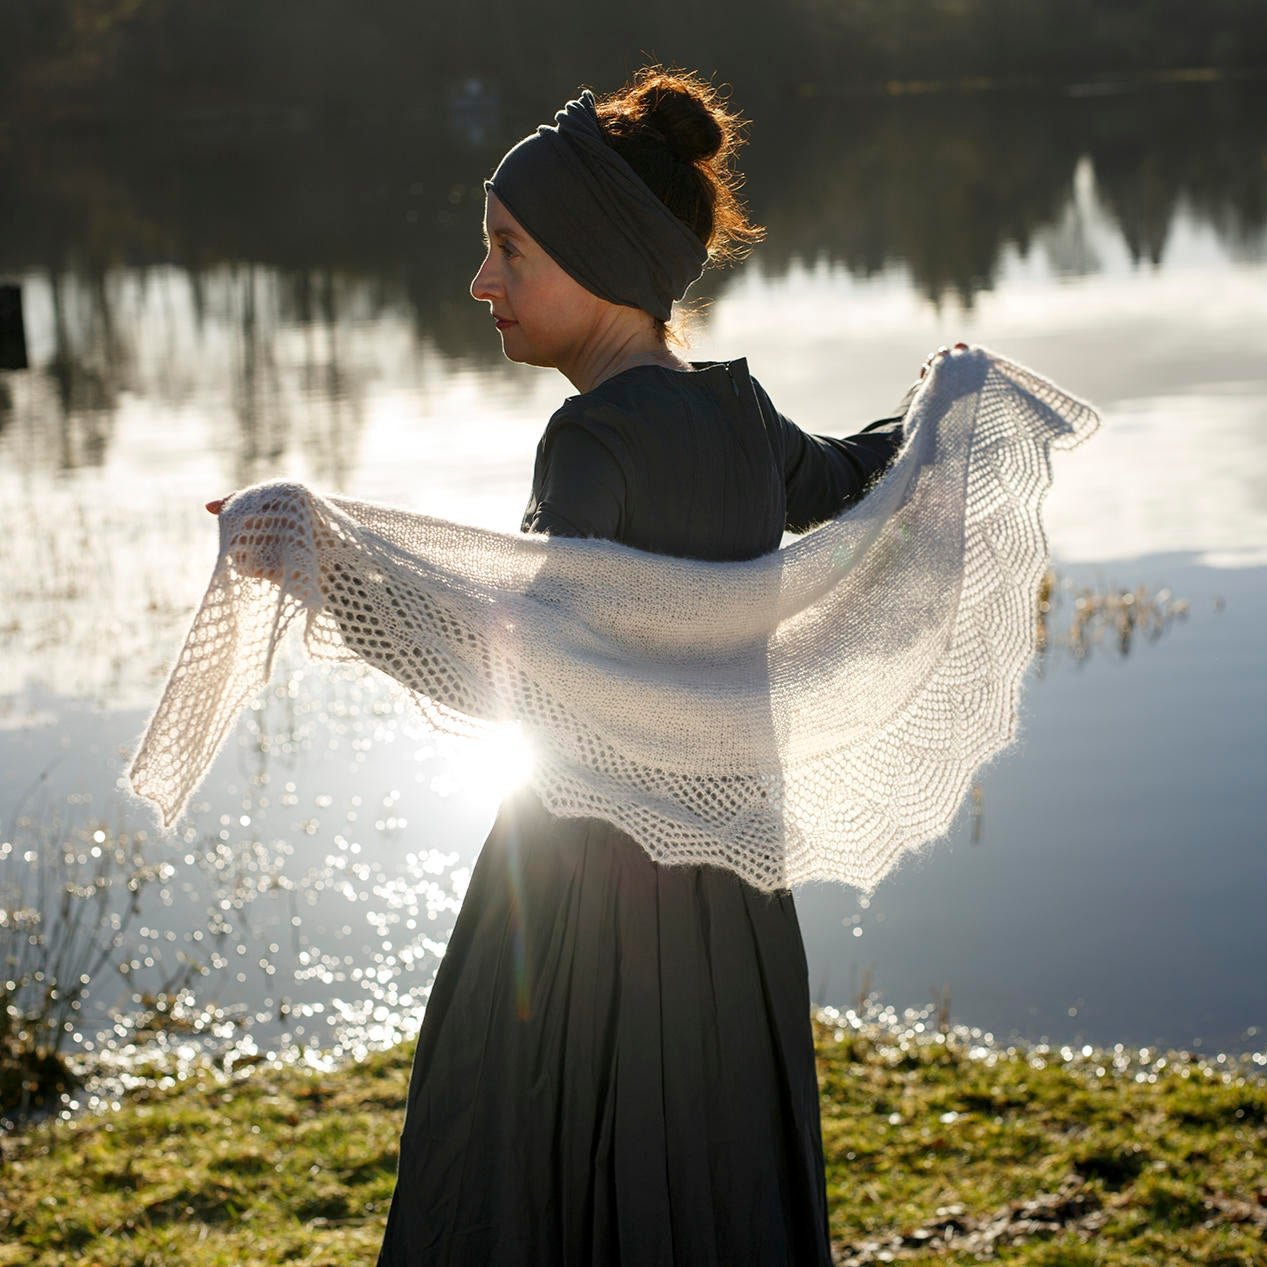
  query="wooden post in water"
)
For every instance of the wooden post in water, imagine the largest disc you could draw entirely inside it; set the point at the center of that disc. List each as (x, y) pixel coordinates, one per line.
(12, 328)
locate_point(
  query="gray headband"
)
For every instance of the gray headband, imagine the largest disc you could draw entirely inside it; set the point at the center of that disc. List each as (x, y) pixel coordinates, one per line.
(595, 216)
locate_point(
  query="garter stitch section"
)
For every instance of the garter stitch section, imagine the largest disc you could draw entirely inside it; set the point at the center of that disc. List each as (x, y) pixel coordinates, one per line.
(812, 714)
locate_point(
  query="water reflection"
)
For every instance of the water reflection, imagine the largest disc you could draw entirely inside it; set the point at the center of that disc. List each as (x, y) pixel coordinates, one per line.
(275, 915)
(283, 916)
(352, 226)
(180, 345)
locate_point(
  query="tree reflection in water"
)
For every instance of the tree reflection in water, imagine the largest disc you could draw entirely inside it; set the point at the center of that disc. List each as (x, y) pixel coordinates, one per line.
(359, 224)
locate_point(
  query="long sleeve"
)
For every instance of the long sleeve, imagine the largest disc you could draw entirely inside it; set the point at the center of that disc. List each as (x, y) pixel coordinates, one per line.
(825, 474)
(578, 486)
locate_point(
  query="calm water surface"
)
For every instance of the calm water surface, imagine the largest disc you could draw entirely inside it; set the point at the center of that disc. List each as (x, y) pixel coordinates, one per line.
(1105, 883)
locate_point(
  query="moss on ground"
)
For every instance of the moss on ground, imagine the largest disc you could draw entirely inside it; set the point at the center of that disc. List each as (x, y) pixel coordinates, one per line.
(936, 1153)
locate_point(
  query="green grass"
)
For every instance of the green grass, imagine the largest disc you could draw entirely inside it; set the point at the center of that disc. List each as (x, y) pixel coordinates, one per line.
(289, 1165)
(1171, 1170)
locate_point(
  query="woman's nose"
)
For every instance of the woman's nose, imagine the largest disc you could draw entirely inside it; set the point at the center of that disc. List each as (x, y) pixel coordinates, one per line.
(483, 285)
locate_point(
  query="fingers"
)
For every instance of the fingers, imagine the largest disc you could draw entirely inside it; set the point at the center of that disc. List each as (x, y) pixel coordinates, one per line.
(941, 351)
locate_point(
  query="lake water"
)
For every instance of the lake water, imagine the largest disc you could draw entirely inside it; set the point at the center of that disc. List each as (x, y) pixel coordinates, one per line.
(196, 327)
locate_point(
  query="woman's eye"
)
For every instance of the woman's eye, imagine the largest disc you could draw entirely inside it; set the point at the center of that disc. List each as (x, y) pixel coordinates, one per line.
(506, 250)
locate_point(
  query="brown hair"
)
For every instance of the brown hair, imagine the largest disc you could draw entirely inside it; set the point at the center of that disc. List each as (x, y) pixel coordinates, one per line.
(674, 129)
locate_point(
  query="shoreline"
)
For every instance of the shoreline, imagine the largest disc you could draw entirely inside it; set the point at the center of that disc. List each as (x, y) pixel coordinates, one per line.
(936, 1142)
(101, 1081)
(286, 118)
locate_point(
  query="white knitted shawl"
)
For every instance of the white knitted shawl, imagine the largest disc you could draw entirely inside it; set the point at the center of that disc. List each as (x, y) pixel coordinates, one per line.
(810, 714)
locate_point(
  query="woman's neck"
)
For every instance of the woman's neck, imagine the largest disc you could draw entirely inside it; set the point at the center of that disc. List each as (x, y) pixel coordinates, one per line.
(629, 338)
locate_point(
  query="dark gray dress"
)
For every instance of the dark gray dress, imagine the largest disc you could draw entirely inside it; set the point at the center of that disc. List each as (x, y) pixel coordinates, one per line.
(616, 1064)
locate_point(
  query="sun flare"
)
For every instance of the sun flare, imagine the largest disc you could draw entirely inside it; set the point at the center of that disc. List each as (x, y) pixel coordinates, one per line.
(490, 768)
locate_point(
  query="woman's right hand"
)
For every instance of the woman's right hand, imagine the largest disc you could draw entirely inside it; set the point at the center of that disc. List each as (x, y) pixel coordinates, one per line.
(941, 351)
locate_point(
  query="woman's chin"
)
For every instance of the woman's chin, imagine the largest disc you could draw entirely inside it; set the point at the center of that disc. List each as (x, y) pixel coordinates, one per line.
(510, 349)
(513, 350)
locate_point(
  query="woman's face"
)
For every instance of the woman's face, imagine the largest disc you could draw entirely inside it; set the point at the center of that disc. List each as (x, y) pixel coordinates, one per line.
(543, 315)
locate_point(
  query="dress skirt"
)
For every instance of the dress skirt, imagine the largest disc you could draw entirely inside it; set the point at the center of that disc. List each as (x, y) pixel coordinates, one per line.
(615, 1067)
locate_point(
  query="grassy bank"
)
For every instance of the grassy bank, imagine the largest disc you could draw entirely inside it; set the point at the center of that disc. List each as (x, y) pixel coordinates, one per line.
(938, 1151)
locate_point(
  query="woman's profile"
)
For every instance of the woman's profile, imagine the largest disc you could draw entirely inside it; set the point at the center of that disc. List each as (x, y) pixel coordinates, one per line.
(616, 1065)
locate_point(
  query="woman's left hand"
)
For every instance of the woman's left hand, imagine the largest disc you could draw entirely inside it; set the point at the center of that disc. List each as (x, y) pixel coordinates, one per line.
(251, 555)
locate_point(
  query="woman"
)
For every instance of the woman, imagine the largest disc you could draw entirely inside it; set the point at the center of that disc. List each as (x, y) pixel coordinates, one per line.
(616, 1062)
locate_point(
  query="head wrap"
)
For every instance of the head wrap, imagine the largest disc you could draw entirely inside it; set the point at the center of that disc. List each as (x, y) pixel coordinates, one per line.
(595, 216)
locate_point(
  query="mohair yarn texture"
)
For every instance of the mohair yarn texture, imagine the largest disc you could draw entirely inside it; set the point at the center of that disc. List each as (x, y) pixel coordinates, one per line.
(813, 714)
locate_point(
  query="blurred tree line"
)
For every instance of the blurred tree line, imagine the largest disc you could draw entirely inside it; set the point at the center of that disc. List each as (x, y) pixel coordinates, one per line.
(331, 58)
(942, 184)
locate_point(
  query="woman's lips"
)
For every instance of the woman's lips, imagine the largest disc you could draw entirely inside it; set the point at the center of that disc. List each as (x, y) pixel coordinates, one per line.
(502, 323)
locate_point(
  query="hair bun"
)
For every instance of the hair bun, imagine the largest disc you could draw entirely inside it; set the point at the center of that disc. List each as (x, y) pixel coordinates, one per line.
(680, 136)
(684, 120)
